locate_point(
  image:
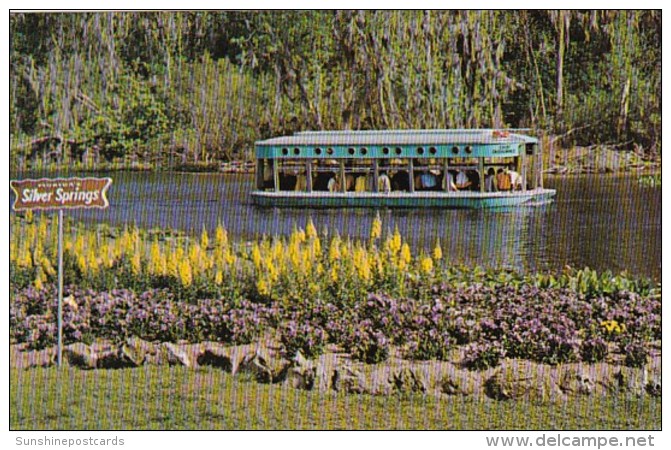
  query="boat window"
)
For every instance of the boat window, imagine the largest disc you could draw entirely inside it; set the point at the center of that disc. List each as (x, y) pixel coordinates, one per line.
(285, 151)
(455, 150)
(385, 150)
(350, 150)
(468, 149)
(432, 150)
(364, 150)
(297, 151)
(318, 151)
(329, 151)
(420, 150)
(398, 150)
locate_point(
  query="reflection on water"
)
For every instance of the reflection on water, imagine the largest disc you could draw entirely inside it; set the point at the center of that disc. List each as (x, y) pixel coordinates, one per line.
(603, 222)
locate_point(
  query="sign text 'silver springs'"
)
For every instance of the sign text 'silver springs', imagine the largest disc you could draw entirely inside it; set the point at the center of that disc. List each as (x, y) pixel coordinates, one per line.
(60, 193)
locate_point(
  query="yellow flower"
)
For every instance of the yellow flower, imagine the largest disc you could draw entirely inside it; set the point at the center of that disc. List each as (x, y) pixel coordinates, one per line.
(262, 287)
(406, 256)
(437, 251)
(218, 277)
(427, 265)
(256, 256)
(185, 274)
(47, 266)
(38, 281)
(220, 236)
(376, 228)
(156, 261)
(310, 230)
(136, 263)
(334, 274)
(204, 239)
(334, 250)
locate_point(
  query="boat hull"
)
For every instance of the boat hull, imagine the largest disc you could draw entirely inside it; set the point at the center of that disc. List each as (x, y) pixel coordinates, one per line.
(456, 200)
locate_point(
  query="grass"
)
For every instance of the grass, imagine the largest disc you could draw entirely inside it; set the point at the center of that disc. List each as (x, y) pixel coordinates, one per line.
(163, 398)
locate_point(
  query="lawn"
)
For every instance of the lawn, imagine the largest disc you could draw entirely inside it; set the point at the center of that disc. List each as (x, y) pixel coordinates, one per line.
(162, 398)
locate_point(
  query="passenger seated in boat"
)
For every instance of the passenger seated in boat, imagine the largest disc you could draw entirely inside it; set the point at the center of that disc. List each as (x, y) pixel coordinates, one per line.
(333, 184)
(490, 181)
(515, 180)
(349, 182)
(400, 181)
(426, 181)
(360, 185)
(503, 181)
(301, 183)
(462, 182)
(448, 182)
(383, 183)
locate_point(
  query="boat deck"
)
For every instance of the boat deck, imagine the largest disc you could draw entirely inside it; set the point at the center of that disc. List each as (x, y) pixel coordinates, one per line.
(461, 199)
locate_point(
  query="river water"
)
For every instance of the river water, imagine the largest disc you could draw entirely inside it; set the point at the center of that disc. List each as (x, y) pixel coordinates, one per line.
(604, 222)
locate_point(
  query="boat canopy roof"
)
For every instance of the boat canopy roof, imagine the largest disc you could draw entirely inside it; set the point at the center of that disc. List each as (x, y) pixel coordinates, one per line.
(402, 137)
(433, 143)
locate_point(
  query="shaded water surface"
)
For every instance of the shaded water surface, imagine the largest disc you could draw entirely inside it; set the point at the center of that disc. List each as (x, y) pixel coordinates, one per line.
(604, 222)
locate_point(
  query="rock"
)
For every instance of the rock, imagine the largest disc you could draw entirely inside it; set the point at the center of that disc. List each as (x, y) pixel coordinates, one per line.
(302, 373)
(460, 382)
(134, 350)
(583, 379)
(349, 380)
(378, 381)
(113, 359)
(654, 386)
(215, 356)
(80, 355)
(174, 355)
(521, 379)
(263, 367)
(633, 380)
(406, 381)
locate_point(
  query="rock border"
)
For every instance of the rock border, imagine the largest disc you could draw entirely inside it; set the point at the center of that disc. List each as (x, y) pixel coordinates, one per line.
(334, 371)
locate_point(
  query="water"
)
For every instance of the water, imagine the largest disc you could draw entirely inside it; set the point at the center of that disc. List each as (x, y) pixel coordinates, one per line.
(604, 222)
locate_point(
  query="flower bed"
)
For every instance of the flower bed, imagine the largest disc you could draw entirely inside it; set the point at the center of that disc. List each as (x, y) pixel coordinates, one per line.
(312, 290)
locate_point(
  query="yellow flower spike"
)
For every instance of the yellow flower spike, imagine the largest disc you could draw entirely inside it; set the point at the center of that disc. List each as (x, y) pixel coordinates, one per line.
(218, 277)
(81, 262)
(29, 216)
(173, 260)
(334, 274)
(221, 236)
(256, 256)
(310, 230)
(136, 263)
(25, 258)
(42, 229)
(185, 273)
(262, 287)
(396, 242)
(155, 258)
(406, 255)
(204, 239)
(47, 267)
(196, 259)
(437, 251)
(426, 265)
(316, 247)
(334, 250)
(376, 228)
(38, 281)
(273, 273)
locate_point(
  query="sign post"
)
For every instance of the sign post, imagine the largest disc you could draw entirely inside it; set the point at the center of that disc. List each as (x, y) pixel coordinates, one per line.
(60, 194)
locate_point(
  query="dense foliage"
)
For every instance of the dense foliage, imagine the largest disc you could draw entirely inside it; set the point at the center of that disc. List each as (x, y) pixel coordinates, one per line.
(185, 87)
(310, 290)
